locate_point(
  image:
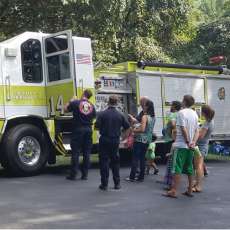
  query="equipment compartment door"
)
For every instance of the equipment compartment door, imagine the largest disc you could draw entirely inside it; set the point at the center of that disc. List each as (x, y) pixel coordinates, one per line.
(59, 71)
(218, 91)
(175, 87)
(150, 86)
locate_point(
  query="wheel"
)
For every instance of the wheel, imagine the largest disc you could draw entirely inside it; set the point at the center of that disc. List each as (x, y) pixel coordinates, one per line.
(25, 149)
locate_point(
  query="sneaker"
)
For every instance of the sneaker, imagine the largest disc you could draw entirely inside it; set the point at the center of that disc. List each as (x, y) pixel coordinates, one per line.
(129, 179)
(84, 178)
(117, 186)
(147, 171)
(103, 188)
(140, 180)
(156, 171)
(71, 177)
(205, 173)
(167, 188)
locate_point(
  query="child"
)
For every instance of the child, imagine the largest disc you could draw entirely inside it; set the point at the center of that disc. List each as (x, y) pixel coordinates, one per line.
(150, 157)
(171, 127)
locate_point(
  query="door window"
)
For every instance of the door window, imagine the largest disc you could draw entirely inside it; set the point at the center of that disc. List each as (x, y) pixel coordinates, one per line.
(31, 61)
(58, 67)
(56, 44)
(57, 58)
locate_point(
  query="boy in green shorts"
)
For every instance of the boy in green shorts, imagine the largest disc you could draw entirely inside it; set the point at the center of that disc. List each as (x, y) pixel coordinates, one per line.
(187, 133)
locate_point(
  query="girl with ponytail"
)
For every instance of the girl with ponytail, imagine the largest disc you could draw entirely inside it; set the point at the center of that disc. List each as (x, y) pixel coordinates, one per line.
(204, 135)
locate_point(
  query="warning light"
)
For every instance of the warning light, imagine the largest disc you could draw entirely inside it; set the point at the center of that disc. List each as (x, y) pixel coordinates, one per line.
(217, 59)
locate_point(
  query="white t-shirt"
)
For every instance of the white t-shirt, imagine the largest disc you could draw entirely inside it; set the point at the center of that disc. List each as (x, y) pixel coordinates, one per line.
(185, 118)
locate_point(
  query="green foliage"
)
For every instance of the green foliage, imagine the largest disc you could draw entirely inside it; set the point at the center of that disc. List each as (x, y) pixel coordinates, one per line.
(121, 30)
(212, 10)
(17, 16)
(143, 48)
(213, 39)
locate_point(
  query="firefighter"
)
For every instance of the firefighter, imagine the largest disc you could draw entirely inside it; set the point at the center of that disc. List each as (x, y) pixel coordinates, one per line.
(109, 123)
(83, 114)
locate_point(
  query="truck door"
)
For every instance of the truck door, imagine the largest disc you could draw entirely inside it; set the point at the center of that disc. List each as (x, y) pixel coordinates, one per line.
(176, 86)
(59, 71)
(150, 86)
(218, 91)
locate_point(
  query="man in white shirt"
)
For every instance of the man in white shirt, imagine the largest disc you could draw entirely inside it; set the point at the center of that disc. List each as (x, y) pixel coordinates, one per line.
(187, 133)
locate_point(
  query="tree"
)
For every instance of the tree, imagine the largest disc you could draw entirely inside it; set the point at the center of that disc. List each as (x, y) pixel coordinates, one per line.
(213, 39)
(211, 10)
(121, 30)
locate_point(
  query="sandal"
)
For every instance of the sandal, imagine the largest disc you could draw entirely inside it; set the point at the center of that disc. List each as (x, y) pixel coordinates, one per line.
(187, 194)
(195, 189)
(169, 194)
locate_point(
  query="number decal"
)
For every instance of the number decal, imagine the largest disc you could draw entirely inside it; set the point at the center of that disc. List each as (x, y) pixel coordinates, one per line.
(52, 110)
(59, 106)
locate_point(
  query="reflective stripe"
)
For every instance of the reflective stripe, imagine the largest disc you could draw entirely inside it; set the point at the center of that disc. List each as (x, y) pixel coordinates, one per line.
(1, 126)
(24, 95)
(36, 95)
(14, 111)
(51, 128)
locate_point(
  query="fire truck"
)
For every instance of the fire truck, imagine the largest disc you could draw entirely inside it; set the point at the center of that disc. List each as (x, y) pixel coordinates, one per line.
(40, 72)
(164, 83)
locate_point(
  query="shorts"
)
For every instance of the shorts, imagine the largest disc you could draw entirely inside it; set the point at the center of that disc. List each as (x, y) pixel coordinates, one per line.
(183, 161)
(197, 152)
(150, 155)
(203, 150)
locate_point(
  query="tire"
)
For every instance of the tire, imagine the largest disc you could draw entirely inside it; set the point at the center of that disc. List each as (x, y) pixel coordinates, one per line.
(25, 150)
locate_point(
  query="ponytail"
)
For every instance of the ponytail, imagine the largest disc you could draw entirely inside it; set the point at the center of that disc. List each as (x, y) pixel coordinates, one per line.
(208, 112)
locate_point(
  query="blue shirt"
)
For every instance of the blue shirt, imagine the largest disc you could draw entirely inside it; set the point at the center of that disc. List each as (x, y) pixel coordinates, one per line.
(83, 112)
(109, 122)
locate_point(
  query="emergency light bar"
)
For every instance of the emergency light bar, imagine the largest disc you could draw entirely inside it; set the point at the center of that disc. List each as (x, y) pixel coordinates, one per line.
(143, 64)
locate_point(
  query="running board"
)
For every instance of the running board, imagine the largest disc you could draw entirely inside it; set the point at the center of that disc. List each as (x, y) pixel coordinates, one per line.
(67, 147)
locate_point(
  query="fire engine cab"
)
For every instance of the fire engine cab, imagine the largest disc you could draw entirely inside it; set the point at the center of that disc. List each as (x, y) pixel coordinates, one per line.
(39, 73)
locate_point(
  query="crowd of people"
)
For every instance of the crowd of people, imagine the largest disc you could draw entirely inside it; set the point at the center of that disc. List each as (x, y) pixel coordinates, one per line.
(186, 138)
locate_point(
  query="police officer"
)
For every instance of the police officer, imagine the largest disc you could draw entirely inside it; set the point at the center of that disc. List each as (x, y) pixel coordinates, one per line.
(109, 123)
(83, 114)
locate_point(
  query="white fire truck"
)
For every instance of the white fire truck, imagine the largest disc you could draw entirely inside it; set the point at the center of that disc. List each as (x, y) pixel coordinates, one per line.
(40, 72)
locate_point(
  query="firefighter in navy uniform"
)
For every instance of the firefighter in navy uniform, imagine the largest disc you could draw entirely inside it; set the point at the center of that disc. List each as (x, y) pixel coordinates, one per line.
(83, 115)
(109, 124)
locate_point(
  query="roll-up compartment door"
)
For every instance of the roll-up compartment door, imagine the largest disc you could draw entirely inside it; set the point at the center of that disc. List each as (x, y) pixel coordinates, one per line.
(219, 99)
(150, 86)
(176, 87)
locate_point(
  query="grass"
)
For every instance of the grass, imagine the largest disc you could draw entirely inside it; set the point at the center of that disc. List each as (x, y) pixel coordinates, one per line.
(63, 161)
(215, 157)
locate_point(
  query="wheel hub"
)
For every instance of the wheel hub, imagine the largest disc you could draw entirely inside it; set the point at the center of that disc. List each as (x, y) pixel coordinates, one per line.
(29, 150)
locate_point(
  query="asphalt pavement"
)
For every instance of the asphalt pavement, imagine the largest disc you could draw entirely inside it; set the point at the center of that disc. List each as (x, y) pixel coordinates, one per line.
(50, 201)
